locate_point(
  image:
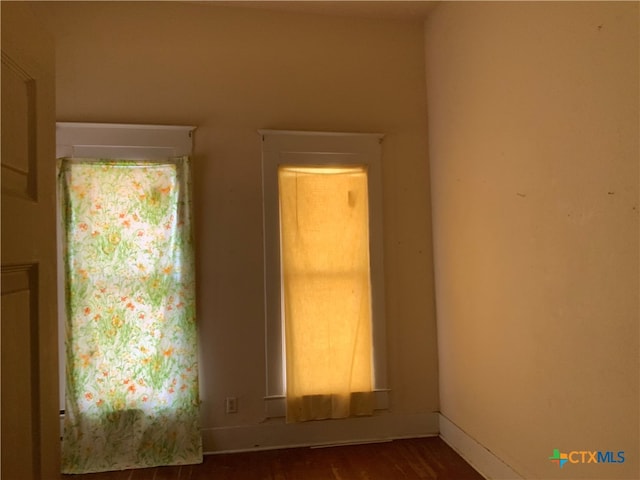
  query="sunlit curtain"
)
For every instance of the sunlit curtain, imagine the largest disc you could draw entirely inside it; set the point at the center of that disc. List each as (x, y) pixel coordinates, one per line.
(131, 371)
(326, 291)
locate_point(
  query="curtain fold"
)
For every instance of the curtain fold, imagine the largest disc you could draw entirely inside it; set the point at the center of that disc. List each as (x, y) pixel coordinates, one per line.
(326, 291)
(131, 351)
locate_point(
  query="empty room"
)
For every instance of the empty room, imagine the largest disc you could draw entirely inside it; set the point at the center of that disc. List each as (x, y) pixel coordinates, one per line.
(291, 229)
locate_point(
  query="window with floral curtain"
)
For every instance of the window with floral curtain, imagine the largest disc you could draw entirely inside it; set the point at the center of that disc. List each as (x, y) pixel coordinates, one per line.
(131, 351)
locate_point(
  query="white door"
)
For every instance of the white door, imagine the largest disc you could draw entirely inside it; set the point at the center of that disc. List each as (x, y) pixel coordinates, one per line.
(30, 438)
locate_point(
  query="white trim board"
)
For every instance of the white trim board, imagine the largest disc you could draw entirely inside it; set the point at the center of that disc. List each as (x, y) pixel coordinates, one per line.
(116, 140)
(275, 433)
(488, 464)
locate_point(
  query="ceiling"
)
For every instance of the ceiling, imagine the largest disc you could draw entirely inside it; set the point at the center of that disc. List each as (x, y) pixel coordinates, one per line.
(390, 10)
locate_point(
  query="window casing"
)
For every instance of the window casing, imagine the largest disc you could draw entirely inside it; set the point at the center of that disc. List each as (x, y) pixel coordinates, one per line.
(281, 148)
(111, 140)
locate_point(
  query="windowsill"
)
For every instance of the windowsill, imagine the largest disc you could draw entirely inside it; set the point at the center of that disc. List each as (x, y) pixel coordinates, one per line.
(275, 405)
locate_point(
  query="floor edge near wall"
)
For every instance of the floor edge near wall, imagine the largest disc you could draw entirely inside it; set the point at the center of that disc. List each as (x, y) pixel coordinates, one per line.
(275, 433)
(477, 455)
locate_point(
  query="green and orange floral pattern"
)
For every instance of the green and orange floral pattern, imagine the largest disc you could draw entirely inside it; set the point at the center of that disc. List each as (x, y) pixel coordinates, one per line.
(131, 349)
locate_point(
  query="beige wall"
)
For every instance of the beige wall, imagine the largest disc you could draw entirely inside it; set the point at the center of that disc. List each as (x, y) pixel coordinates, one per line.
(230, 71)
(533, 128)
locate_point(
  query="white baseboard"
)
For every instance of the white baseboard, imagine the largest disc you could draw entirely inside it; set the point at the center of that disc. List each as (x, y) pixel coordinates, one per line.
(484, 461)
(275, 433)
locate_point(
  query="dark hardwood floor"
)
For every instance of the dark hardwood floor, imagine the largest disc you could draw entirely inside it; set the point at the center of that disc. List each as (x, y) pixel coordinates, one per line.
(418, 458)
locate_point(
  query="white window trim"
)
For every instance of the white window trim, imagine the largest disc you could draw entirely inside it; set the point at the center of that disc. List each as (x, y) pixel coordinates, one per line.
(318, 148)
(117, 141)
(122, 141)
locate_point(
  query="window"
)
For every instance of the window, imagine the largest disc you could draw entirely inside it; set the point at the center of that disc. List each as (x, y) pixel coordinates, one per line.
(323, 262)
(99, 140)
(130, 326)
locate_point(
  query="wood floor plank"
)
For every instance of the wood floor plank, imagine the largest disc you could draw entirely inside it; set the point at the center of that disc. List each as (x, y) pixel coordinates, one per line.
(410, 459)
(167, 473)
(115, 475)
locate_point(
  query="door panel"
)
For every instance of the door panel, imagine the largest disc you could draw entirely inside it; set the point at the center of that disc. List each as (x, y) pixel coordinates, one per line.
(30, 438)
(18, 109)
(20, 376)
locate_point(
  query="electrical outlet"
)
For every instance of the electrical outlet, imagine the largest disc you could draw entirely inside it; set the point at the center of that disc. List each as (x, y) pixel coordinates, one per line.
(231, 405)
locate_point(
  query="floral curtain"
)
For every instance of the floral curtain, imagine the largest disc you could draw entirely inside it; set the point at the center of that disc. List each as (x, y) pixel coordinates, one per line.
(131, 352)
